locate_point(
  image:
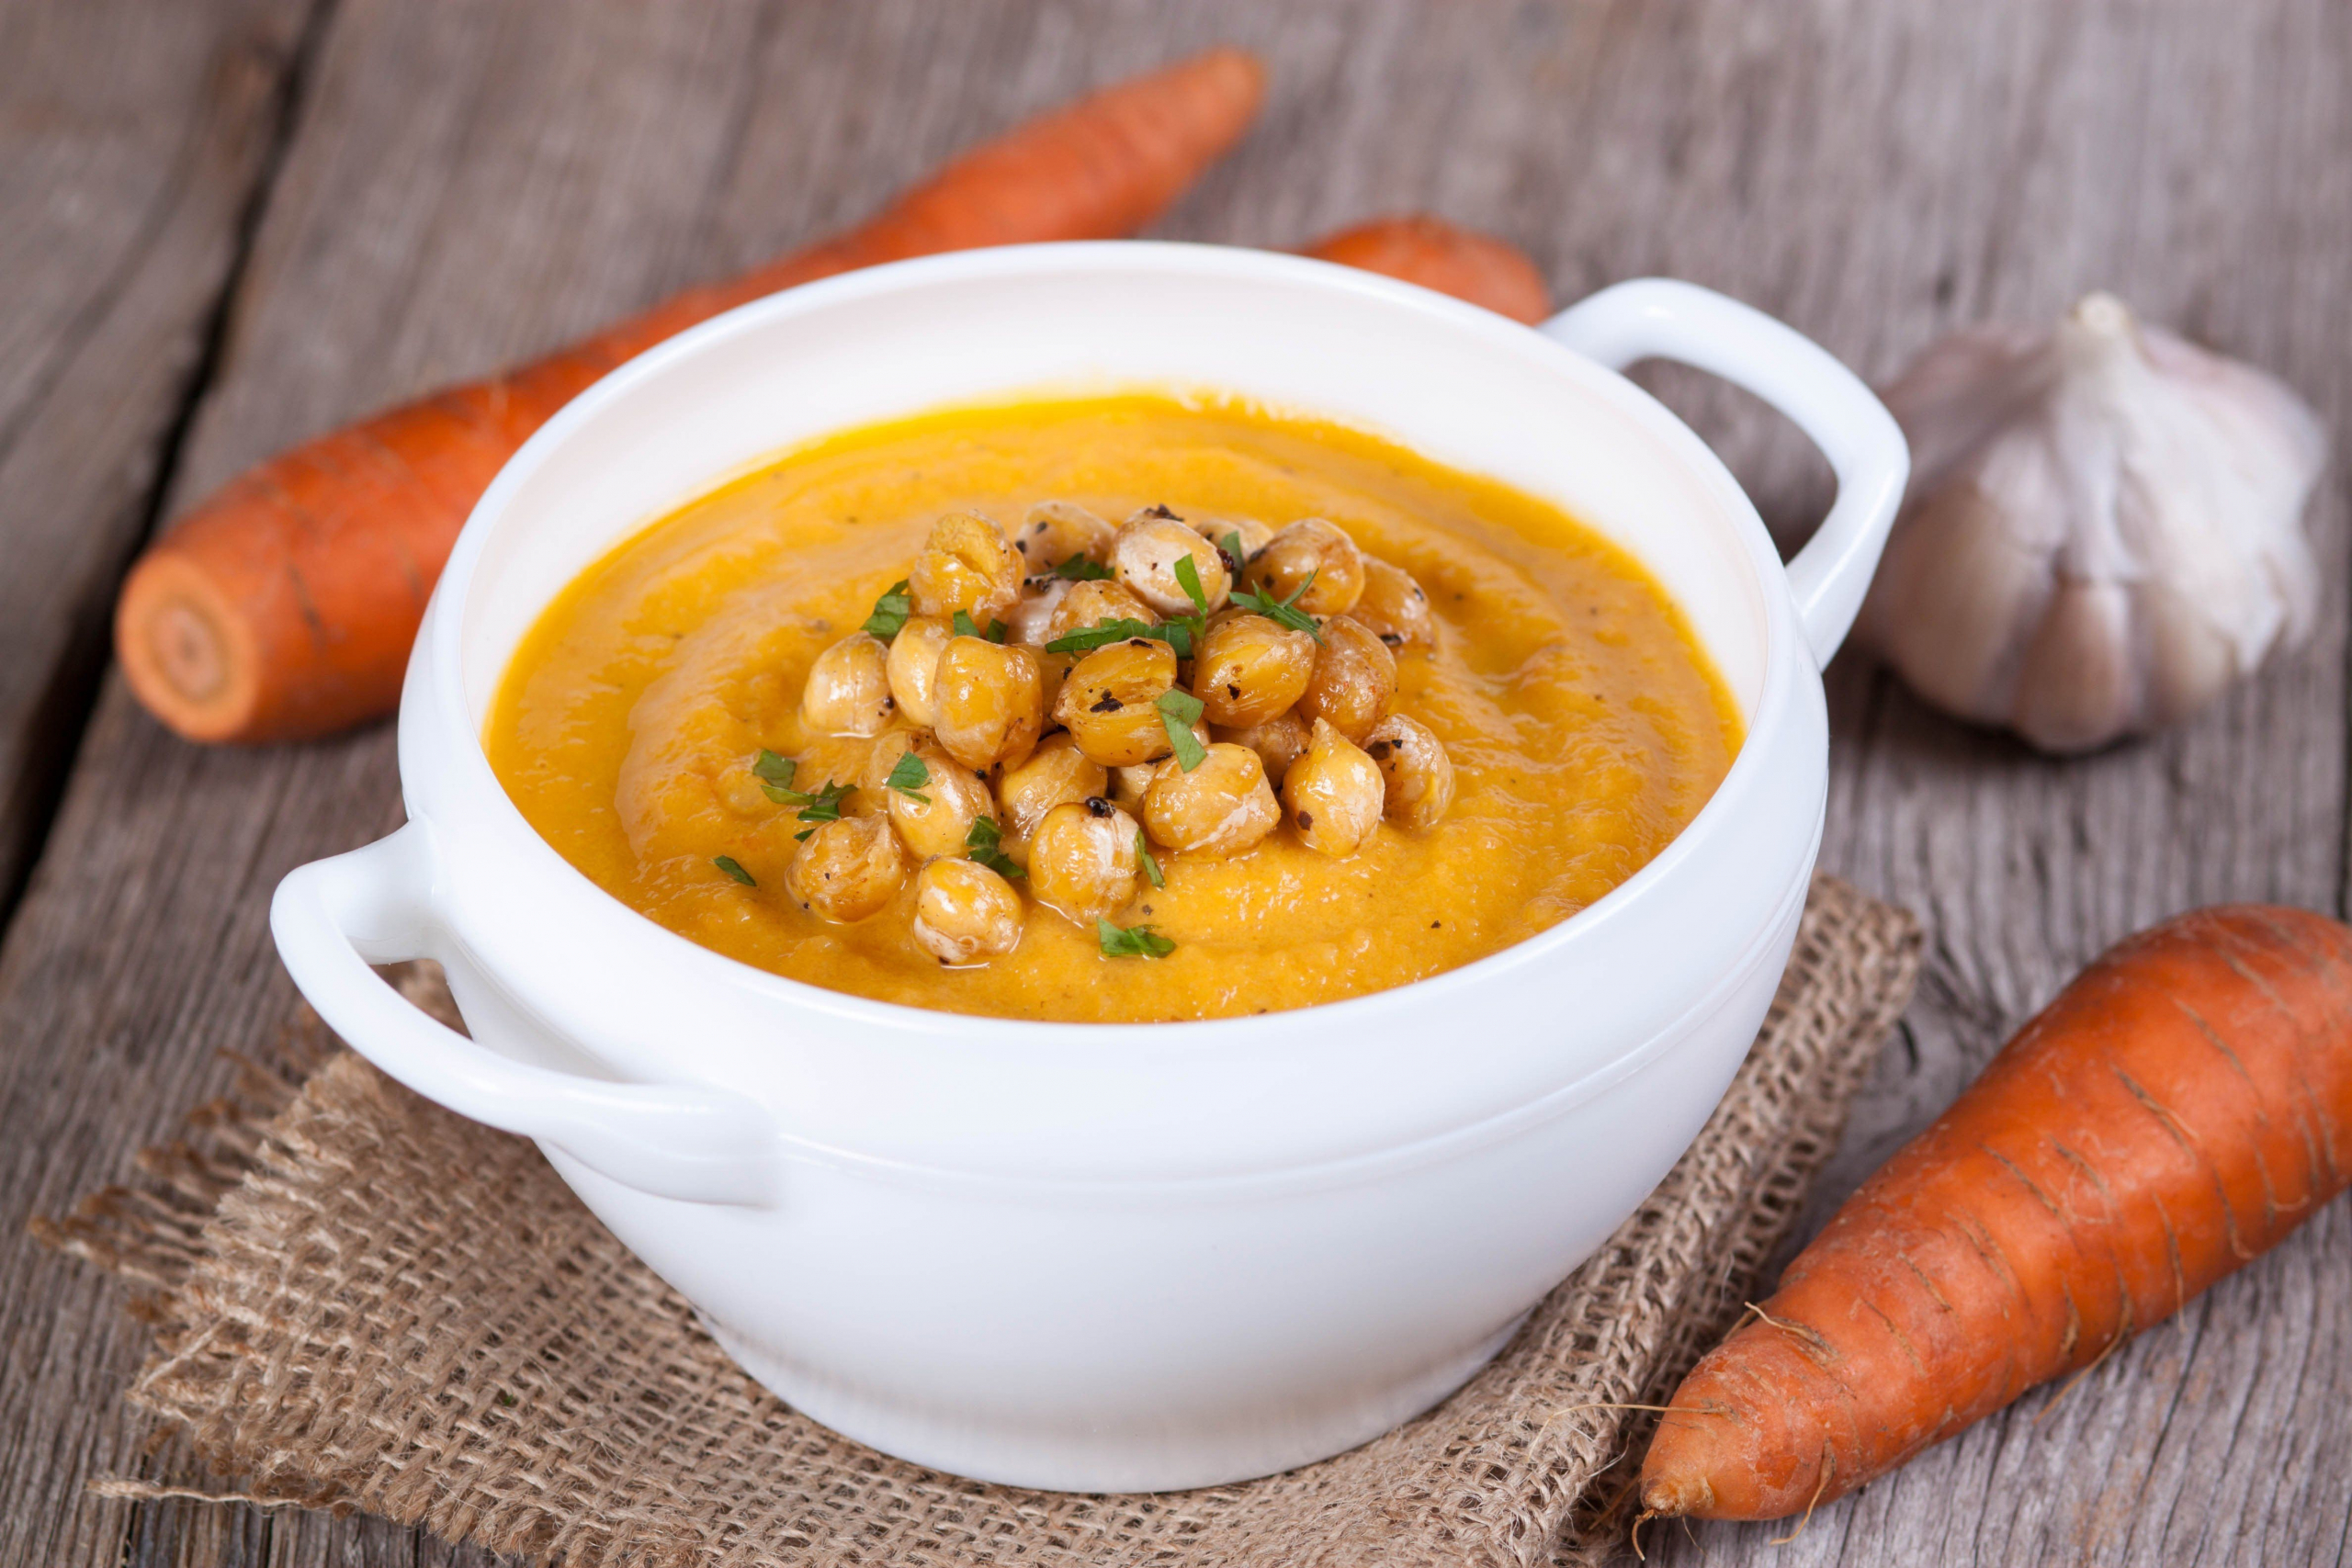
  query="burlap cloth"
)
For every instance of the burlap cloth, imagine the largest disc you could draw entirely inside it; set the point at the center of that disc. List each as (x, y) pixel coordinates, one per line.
(364, 1302)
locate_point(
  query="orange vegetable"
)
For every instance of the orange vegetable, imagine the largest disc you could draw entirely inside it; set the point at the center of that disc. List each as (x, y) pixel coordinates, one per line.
(2184, 1104)
(285, 605)
(1437, 254)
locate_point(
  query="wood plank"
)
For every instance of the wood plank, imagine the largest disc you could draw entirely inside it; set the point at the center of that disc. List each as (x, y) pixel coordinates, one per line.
(133, 141)
(468, 185)
(2194, 163)
(133, 145)
(472, 186)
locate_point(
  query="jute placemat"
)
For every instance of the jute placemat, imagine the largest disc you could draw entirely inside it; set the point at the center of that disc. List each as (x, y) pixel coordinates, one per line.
(363, 1302)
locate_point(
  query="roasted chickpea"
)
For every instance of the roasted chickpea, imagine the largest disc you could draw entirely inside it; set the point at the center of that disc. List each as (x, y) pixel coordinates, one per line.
(990, 702)
(965, 913)
(1393, 608)
(1057, 530)
(1128, 786)
(1354, 680)
(914, 661)
(842, 759)
(964, 565)
(1052, 669)
(1310, 547)
(1419, 775)
(952, 799)
(1109, 702)
(1220, 808)
(1333, 793)
(1279, 742)
(1027, 621)
(1145, 555)
(1091, 603)
(1247, 669)
(1082, 860)
(1254, 536)
(1056, 773)
(882, 754)
(849, 688)
(847, 869)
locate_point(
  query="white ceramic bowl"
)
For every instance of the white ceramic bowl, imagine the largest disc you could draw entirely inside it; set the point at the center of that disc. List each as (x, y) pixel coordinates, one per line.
(1140, 1257)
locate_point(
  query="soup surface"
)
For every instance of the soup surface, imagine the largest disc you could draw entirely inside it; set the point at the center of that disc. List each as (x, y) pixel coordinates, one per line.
(1585, 725)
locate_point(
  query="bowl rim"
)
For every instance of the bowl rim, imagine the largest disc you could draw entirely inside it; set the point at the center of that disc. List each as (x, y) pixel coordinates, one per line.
(438, 663)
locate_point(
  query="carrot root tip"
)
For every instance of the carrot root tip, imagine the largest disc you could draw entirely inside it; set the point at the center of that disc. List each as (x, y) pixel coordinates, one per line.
(1634, 1535)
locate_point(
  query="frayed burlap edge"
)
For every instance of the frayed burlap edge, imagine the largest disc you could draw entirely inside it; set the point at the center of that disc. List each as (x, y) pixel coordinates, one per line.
(364, 1302)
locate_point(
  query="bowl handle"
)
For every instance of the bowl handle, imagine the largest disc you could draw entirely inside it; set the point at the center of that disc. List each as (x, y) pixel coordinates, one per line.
(333, 917)
(1654, 318)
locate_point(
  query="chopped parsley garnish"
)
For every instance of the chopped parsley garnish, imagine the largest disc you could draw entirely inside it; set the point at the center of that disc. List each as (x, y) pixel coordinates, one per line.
(734, 868)
(824, 806)
(1179, 711)
(1187, 577)
(1102, 633)
(890, 612)
(1231, 545)
(1137, 941)
(1079, 569)
(986, 843)
(909, 775)
(966, 626)
(1150, 866)
(775, 774)
(1181, 633)
(1177, 635)
(1282, 612)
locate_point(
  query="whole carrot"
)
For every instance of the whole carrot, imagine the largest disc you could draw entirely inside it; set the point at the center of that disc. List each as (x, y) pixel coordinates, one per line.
(2184, 1104)
(1440, 255)
(285, 605)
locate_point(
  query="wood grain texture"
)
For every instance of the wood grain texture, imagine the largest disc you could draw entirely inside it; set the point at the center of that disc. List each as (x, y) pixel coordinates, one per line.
(2194, 162)
(134, 140)
(133, 144)
(470, 182)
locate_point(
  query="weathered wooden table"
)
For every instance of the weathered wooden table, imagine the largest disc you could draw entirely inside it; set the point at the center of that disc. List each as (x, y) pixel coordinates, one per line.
(231, 223)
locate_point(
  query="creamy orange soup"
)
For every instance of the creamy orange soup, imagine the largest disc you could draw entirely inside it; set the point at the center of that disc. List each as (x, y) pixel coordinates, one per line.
(1585, 725)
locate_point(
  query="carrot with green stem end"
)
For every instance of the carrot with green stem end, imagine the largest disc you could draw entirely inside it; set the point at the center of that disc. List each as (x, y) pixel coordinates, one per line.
(1444, 256)
(284, 606)
(2183, 1104)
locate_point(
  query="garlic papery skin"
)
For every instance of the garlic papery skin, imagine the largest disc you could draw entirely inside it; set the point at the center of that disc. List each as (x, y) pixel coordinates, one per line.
(2103, 531)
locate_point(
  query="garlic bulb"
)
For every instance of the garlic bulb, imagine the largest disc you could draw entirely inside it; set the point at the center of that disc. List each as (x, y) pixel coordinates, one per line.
(2103, 530)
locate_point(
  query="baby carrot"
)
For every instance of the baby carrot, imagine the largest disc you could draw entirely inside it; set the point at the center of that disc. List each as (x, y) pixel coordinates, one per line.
(2183, 1104)
(1438, 254)
(284, 606)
